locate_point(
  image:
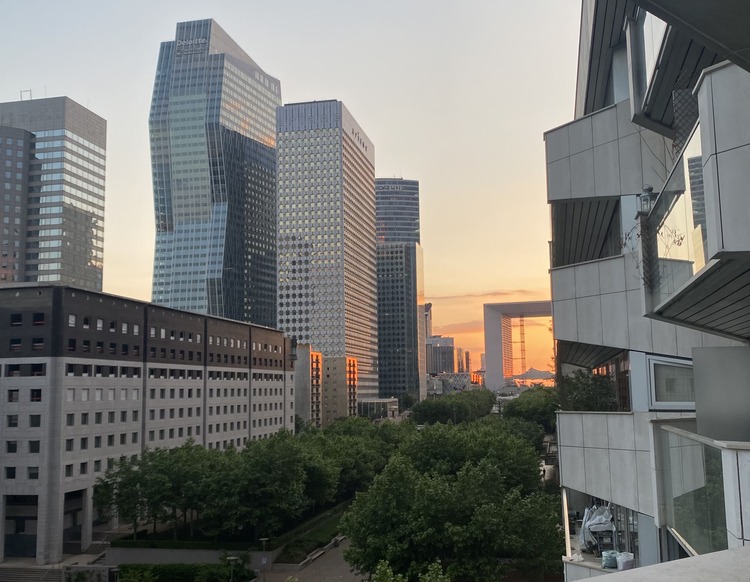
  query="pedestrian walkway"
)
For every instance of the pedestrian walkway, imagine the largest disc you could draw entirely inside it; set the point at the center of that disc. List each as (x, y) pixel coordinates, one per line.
(330, 567)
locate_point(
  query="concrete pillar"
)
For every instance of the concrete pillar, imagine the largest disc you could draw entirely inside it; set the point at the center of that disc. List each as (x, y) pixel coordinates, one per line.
(49, 534)
(87, 518)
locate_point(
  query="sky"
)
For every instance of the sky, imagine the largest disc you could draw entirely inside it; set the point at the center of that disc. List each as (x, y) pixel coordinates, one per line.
(454, 94)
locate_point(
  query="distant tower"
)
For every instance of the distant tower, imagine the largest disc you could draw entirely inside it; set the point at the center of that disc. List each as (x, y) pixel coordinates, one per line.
(401, 308)
(52, 155)
(213, 134)
(326, 214)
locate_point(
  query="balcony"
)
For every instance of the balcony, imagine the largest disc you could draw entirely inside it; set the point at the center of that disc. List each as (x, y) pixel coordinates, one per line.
(696, 250)
(609, 455)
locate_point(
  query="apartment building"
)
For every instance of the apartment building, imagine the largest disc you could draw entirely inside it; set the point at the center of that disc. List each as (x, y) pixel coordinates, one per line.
(647, 188)
(88, 377)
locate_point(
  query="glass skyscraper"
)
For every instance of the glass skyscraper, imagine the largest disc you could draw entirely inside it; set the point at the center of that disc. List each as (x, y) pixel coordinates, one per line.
(52, 166)
(213, 139)
(401, 321)
(397, 210)
(327, 277)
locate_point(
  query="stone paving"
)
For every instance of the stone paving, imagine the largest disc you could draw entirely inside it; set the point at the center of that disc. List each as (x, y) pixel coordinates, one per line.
(330, 567)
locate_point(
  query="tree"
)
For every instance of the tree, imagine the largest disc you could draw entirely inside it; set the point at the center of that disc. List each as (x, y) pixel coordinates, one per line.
(384, 573)
(121, 490)
(586, 391)
(456, 408)
(467, 495)
(537, 404)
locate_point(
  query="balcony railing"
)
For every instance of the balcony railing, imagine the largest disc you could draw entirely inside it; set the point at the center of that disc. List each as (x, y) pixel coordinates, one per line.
(693, 485)
(676, 248)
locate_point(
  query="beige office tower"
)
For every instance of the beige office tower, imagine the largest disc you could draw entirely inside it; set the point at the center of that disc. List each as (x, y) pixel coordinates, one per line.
(327, 282)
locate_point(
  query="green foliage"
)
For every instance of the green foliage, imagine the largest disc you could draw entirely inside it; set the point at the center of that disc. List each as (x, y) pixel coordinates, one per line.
(240, 571)
(584, 391)
(268, 486)
(456, 408)
(384, 573)
(537, 404)
(467, 495)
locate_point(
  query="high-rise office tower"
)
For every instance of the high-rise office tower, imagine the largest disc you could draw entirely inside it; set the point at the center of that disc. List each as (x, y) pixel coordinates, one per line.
(397, 210)
(326, 271)
(402, 360)
(52, 159)
(213, 138)
(401, 312)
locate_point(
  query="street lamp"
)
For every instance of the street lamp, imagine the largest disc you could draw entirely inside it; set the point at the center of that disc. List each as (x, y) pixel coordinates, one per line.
(231, 560)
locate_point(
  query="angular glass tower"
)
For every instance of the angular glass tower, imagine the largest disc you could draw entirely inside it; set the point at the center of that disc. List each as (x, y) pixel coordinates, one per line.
(52, 154)
(213, 139)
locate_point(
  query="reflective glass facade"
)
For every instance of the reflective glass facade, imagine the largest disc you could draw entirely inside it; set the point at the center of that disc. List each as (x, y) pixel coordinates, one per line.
(326, 272)
(397, 210)
(52, 158)
(213, 137)
(401, 322)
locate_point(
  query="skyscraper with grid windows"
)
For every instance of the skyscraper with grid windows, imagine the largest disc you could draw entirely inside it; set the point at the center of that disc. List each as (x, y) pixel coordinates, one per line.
(52, 162)
(326, 273)
(213, 139)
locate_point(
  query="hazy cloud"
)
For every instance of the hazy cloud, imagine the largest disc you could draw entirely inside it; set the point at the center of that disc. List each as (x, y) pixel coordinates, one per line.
(497, 293)
(475, 326)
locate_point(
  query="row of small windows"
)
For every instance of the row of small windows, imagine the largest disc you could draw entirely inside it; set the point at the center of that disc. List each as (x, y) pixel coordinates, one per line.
(25, 370)
(98, 371)
(180, 412)
(86, 323)
(34, 395)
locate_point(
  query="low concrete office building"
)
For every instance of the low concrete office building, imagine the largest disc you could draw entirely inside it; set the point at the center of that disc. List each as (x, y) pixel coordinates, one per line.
(86, 378)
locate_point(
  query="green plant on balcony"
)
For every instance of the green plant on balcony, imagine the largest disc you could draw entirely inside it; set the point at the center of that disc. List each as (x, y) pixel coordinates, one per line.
(585, 391)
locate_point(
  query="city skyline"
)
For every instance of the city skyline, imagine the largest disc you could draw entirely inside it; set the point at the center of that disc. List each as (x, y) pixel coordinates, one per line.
(479, 165)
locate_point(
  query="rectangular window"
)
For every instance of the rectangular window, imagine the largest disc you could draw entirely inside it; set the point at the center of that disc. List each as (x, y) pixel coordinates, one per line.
(97, 442)
(13, 395)
(70, 419)
(84, 468)
(12, 421)
(99, 324)
(671, 384)
(38, 319)
(10, 472)
(11, 446)
(35, 420)
(34, 446)
(68, 470)
(71, 320)
(33, 473)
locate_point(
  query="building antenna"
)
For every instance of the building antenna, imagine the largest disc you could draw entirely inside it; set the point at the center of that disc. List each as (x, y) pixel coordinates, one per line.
(26, 91)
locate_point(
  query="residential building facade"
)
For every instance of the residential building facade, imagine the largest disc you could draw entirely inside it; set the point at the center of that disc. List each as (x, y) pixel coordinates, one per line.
(326, 263)
(87, 378)
(52, 164)
(213, 136)
(647, 192)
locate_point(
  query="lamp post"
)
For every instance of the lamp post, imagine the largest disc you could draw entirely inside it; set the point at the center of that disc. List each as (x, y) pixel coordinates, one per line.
(231, 560)
(263, 558)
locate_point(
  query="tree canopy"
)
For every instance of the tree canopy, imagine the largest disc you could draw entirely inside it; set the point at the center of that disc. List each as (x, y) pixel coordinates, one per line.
(456, 408)
(537, 404)
(467, 495)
